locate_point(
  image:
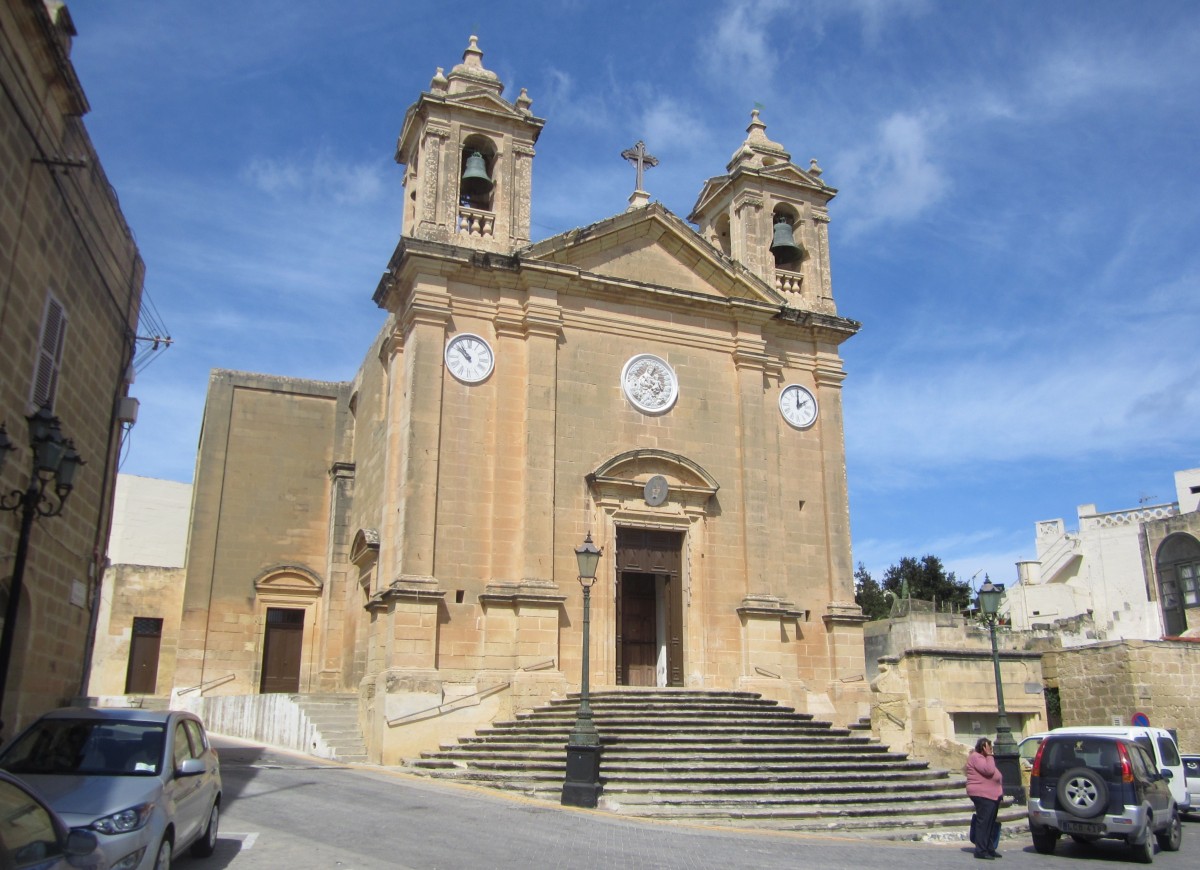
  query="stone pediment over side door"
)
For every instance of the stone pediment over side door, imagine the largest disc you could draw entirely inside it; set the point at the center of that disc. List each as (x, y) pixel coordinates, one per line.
(651, 246)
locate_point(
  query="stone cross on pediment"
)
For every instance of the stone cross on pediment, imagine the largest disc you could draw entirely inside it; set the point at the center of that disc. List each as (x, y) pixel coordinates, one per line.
(643, 160)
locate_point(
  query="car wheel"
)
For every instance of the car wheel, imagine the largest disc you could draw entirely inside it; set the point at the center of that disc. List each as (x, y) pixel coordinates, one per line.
(1044, 841)
(1143, 852)
(1171, 837)
(163, 859)
(207, 843)
(1082, 793)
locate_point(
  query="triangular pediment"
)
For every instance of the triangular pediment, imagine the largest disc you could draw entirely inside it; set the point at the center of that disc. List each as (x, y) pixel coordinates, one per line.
(785, 175)
(652, 246)
(485, 101)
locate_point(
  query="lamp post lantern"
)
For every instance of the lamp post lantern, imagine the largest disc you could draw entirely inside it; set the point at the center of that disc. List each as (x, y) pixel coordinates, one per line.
(581, 788)
(1005, 748)
(55, 462)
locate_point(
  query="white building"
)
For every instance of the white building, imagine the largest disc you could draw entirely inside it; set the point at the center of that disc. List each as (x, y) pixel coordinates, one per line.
(1097, 573)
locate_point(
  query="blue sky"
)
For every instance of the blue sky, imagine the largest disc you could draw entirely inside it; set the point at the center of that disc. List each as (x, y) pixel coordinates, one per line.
(1017, 226)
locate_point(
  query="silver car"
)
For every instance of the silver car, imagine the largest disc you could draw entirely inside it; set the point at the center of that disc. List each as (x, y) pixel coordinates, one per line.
(147, 783)
(33, 837)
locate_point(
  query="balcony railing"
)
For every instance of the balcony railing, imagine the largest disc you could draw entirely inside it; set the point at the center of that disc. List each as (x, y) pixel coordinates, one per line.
(475, 222)
(788, 282)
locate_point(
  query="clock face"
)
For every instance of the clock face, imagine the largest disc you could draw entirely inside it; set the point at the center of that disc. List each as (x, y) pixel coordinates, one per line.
(649, 383)
(469, 358)
(798, 406)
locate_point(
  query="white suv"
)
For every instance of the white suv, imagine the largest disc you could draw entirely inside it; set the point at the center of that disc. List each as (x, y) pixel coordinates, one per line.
(1158, 742)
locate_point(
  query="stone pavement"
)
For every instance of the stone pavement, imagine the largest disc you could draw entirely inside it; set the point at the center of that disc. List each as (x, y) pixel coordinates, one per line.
(293, 811)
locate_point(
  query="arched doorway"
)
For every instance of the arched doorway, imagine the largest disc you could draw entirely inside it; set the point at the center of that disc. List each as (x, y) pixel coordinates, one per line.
(287, 599)
(1177, 566)
(651, 508)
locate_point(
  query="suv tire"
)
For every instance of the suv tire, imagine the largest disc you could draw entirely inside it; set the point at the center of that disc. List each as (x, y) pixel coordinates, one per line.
(1082, 793)
(1171, 837)
(1143, 852)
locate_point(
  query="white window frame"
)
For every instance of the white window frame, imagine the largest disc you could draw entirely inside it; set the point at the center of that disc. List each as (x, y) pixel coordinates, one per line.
(43, 388)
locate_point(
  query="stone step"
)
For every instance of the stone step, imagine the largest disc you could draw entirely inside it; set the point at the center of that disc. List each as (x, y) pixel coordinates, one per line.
(767, 793)
(711, 756)
(335, 719)
(711, 764)
(680, 742)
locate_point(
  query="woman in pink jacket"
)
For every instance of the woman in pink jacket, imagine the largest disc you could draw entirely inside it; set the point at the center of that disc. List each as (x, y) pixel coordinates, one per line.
(985, 787)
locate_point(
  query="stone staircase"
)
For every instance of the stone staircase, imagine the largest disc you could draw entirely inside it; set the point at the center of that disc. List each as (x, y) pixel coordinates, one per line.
(716, 757)
(335, 720)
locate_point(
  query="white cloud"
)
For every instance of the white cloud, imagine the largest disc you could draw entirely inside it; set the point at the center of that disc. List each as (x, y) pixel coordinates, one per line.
(572, 109)
(672, 126)
(740, 46)
(875, 15)
(321, 176)
(1058, 396)
(895, 177)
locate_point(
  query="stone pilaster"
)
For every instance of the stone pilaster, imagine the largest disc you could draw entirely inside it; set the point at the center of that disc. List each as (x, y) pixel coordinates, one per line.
(543, 324)
(416, 415)
(760, 488)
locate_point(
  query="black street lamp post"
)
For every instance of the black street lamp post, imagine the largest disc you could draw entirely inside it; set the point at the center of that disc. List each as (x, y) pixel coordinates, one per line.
(581, 788)
(55, 461)
(1005, 748)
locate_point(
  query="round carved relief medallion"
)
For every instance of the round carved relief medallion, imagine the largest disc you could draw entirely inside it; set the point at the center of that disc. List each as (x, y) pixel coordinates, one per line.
(656, 490)
(649, 383)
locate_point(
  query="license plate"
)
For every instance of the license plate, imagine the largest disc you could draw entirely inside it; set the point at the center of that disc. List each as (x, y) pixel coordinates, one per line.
(1082, 828)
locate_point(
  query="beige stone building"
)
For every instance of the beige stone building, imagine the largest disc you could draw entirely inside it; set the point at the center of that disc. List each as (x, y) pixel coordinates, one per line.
(141, 601)
(672, 391)
(70, 292)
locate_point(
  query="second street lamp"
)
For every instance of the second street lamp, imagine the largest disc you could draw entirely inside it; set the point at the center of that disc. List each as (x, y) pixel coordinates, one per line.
(1007, 758)
(581, 788)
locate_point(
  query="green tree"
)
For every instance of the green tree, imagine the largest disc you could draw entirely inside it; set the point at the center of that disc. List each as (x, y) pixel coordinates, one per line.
(927, 580)
(869, 595)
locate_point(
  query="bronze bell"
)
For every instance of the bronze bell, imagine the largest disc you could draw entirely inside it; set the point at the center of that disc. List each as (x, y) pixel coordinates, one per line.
(475, 179)
(783, 244)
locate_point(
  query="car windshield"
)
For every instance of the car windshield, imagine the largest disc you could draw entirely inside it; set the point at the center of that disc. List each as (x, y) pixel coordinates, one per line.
(87, 747)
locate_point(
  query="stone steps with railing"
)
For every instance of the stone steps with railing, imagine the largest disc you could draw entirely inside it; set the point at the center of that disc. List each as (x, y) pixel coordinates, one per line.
(716, 757)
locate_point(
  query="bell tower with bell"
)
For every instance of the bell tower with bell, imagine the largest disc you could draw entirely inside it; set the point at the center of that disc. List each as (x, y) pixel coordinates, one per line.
(468, 158)
(772, 217)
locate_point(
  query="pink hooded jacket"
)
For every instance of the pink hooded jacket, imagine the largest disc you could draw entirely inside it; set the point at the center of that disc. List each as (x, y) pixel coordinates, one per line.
(983, 779)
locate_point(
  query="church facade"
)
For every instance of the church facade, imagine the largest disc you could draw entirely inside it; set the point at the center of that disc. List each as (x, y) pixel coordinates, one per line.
(672, 391)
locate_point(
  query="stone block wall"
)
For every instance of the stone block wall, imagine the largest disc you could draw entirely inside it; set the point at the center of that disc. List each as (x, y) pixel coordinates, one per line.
(1107, 682)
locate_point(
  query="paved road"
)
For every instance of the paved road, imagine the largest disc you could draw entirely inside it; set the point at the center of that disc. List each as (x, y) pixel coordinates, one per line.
(290, 811)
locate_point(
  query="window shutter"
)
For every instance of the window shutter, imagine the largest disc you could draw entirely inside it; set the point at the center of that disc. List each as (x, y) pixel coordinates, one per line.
(49, 354)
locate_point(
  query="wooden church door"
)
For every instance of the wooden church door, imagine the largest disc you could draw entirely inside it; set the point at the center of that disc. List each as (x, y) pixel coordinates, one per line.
(649, 607)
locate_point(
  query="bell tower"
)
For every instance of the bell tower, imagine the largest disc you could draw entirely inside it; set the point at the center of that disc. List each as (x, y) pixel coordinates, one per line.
(468, 158)
(772, 217)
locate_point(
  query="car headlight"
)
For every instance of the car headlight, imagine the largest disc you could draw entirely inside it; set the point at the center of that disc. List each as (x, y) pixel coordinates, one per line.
(124, 821)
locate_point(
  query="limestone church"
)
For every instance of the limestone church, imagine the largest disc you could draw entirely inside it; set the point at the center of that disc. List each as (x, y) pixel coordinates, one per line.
(672, 391)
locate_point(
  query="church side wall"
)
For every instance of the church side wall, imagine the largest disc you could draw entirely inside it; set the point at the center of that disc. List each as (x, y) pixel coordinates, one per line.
(262, 503)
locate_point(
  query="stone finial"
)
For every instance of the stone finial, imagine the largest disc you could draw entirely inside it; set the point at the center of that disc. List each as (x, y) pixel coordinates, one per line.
(439, 83)
(471, 73)
(757, 130)
(473, 54)
(758, 151)
(524, 101)
(813, 168)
